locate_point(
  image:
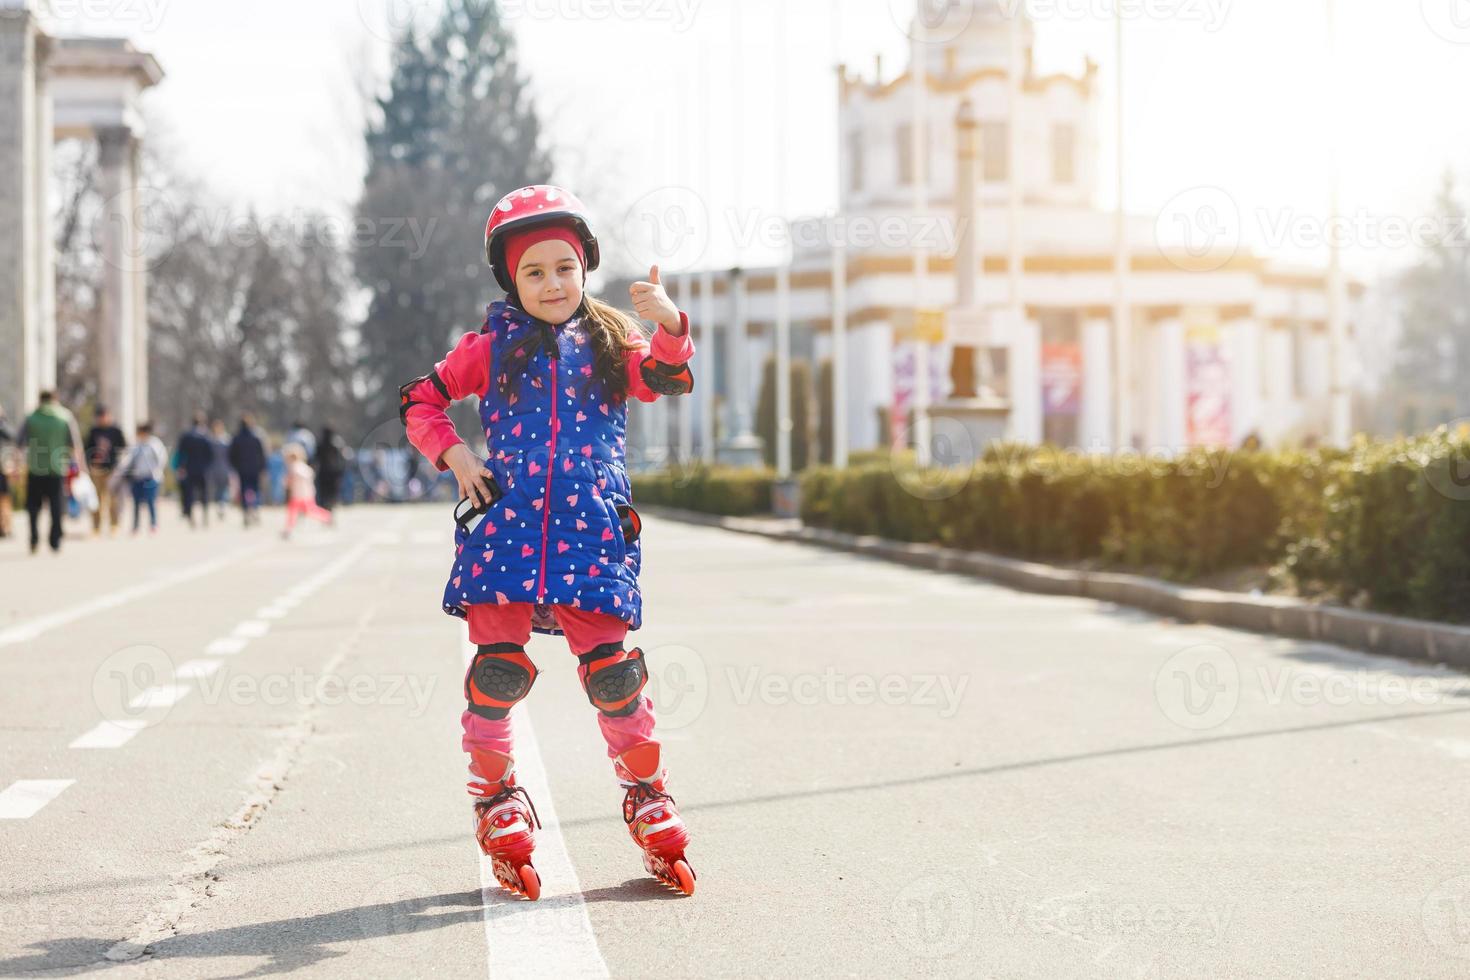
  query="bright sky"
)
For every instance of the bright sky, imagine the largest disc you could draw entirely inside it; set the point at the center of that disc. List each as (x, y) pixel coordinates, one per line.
(638, 95)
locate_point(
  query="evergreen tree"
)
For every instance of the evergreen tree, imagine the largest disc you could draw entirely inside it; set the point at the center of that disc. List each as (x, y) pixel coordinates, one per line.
(1434, 351)
(801, 413)
(454, 132)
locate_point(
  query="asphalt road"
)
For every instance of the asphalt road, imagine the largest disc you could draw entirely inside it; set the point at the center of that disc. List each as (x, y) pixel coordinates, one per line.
(226, 755)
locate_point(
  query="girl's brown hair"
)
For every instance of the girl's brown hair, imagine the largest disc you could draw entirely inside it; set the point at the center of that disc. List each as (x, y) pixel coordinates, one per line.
(613, 334)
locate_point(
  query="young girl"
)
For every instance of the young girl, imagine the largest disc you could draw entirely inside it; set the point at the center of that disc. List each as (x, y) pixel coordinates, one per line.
(553, 547)
(300, 490)
(142, 468)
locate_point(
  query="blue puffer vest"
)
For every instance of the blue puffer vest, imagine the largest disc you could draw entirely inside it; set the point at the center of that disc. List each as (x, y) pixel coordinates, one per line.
(556, 440)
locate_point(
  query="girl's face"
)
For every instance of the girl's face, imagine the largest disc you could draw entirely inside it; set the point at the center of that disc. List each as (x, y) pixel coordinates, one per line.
(549, 281)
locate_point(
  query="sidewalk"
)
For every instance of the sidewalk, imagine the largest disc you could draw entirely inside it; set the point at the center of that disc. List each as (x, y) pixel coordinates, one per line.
(1412, 639)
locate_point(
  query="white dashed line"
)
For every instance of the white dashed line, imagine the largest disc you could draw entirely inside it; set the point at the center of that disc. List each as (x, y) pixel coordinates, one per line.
(252, 629)
(161, 696)
(110, 734)
(24, 797)
(551, 937)
(225, 646)
(191, 670)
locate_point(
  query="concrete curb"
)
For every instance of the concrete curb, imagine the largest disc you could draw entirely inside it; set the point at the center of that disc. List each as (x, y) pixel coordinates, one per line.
(1411, 639)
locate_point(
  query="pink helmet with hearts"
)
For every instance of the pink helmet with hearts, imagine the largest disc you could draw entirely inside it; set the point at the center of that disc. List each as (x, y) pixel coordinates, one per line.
(537, 206)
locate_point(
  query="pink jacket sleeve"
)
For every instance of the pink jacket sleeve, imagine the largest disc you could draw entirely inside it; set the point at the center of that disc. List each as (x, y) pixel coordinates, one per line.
(666, 348)
(465, 371)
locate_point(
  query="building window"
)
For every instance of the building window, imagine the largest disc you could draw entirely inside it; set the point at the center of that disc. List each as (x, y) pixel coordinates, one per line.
(1064, 153)
(904, 147)
(855, 160)
(995, 151)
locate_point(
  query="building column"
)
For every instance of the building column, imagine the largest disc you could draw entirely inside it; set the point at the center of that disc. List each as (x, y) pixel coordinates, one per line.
(140, 269)
(1095, 427)
(1243, 341)
(870, 383)
(19, 375)
(45, 242)
(117, 340)
(1172, 405)
(1025, 382)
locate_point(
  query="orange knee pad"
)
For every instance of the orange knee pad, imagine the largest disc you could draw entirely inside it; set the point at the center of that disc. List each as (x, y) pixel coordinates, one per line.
(613, 678)
(500, 675)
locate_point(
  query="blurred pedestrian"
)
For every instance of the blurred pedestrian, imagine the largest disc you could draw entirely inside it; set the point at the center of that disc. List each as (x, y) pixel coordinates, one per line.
(300, 490)
(105, 443)
(301, 436)
(331, 464)
(142, 468)
(275, 466)
(218, 477)
(193, 457)
(247, 456)
(52, 445)
(7, 470)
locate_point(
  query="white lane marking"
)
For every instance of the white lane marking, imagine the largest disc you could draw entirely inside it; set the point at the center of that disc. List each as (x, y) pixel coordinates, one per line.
(551, 937)
(271, 612)
(24, 797)
(110, 734)
(33, 628)
(252, 628)
(160, 696)
(191, 670)
(226, 646)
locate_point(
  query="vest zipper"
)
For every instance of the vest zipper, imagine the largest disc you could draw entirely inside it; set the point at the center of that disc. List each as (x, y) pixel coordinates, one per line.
(554, 354)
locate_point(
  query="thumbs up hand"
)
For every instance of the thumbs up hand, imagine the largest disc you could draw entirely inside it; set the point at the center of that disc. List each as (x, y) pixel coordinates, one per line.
(652, 303)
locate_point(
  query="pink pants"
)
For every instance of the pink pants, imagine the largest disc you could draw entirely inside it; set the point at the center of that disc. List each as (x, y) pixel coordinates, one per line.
(585, 631)
(305, 507)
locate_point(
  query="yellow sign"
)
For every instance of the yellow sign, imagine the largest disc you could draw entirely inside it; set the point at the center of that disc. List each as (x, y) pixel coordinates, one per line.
(930, 326)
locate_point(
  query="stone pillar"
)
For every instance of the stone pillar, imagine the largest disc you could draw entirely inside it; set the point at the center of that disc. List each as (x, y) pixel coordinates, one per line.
(1025, 382)
(19, 315)
(1095, 428)
(140, 260)
(45, 241)
(1244, 342)
(116, 340)
(1172, 403)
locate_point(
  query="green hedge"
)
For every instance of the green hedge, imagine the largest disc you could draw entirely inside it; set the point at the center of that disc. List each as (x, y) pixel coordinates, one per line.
(712, 490)
(1384, 525)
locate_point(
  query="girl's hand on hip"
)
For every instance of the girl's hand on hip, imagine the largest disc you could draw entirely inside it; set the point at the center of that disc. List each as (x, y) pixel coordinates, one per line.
(652, 303)
(473, 476)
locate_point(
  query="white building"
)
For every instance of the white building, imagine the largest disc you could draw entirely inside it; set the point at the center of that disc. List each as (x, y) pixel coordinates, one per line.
(54, 88)
(1224, 343)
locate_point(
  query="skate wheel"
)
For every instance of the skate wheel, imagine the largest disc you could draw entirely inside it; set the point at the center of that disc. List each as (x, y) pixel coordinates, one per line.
(530, 883)
(685, 876)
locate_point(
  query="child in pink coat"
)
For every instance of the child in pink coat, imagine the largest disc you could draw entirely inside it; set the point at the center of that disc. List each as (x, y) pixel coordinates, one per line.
(553, 545)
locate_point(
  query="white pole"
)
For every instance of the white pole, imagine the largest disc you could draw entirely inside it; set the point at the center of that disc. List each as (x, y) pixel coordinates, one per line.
(919, 76)
(1340, 403)
(783, 265)
(1013, 172)
(705, 387)
(685, 409)
(839, 272)
(1122, 319)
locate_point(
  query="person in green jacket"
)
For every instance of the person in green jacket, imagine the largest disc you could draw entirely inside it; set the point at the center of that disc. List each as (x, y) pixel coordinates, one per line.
(50, 444)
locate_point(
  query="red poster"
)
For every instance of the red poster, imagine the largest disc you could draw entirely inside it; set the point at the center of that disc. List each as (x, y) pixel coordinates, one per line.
(1061, 379)
(1208, 389)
